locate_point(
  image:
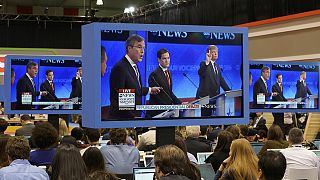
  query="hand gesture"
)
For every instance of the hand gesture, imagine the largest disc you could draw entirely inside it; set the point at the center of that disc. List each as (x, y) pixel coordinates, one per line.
(208, 57)
(44, 93)
(155, 90)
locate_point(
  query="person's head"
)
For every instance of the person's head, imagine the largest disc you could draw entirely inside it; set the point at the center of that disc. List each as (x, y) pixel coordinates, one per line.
(93, 159)
(25, 119)
(259, 114)
(102, 175)
(77, 133)
(203, 130)
(224, 142)
(3, 125)
(4, 161)
(179, 142)
(68, 164)
(303, 75)
(79, 71)
(32, 69)
(272, 165)
(13, 76)
(234, 130)
(68, 139)
(193, 131)
(49, 75)
(213, 50)
(104, 60)
(275, 133)
(295, 136)
(18, 148)
(265, 72)
(243, 159)
(171, 159)
(93, 135)
(163, 57)
(118, 136)
(44, 135)
(244, 130)
(279, 78)
(135, 48)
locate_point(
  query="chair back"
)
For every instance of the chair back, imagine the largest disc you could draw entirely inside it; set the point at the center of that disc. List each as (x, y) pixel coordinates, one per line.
(308, 173)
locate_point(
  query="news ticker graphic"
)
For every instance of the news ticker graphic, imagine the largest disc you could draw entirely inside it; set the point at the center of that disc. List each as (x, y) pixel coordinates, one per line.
(127, 100)
(26, 98)
(168, 107)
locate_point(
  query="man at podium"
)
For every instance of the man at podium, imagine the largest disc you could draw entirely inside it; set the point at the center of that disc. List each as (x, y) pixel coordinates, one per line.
(162, 77)
(210, 77)
(278, 88)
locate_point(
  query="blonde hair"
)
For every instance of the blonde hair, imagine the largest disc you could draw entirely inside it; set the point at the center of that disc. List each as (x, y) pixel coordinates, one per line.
(243, 159)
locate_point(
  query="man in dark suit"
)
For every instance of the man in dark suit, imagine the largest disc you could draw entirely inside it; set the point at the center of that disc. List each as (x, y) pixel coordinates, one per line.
(278, 88)
(104, 59)
(162, 77)
(260, 87)
(193, 144)
(125, 74)
(26, 85)
(302, 88)
(77, 87)
(48, 86)
(211, 78)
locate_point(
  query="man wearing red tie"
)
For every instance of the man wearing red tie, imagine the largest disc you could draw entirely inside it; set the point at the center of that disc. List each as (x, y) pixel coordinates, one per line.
(162, 77)
(48, 86)
(277, 88)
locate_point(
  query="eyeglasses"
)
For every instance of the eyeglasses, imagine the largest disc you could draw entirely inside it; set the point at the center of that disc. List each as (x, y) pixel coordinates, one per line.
(139, 47)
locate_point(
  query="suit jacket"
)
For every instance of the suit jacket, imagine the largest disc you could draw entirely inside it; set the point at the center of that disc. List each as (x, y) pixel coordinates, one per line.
(210, 83)
(123, 76)
(25, 85)
(51, 96)
(158, 79)
(76, 88)
(279, 97)
(194, 146)
(25, 130)
(259, 87)
(302, 91)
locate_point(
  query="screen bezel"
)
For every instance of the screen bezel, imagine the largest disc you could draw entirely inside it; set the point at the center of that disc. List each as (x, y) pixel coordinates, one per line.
(91, 42)
(281, 110)
(7, 82)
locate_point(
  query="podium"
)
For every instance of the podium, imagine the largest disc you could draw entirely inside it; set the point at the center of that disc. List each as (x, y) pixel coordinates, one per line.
(68, 104)
(307, 102)
(226, 103)
(196, 112)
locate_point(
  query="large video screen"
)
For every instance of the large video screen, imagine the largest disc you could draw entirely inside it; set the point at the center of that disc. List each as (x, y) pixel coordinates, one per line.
(166, 75)
(44, 84)
(284, 85)
(1, 77)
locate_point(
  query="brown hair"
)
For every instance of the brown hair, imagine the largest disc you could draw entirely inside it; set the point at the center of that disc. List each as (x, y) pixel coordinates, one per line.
(275, 133)
(4, 161)
(118, 135)
(18, 148)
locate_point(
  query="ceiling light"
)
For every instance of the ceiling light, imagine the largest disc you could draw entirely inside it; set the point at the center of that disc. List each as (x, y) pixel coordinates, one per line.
(131, 9)
(99, 2)
(0, 5)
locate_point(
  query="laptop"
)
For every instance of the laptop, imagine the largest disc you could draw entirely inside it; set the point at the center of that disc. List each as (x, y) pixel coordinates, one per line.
(143, 173)
(148, 160)
(206, 171)
(202, 156)
(257, 147)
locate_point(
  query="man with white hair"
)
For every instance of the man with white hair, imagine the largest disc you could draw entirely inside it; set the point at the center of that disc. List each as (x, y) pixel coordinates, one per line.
(296, 155)
(192, 142)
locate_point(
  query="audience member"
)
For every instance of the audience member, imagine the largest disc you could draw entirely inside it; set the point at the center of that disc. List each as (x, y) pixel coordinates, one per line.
(275, 140)
(179, 142)
(63, 128)
(18, 151)
(221, 152)
(272, 165)
(296, 155)
(68, 139)
(234, 130)
(102, 175)
(147, 140)
(27, 126)
(45, 137)
(78, 133)
(193, 144)
(119, 157)
(212, 134)
(94, 160)
(3, 125)
(93, 136)
(172, 164)
(4, 161)
(203, 135)
(67, 164)
(242, 159)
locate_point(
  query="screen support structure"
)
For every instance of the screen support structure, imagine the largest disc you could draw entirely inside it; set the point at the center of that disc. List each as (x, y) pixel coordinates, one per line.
(165, 135)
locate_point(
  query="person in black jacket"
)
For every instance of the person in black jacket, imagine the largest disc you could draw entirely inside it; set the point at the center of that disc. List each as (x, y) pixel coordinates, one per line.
(162, 77)
(26, 85)
(278, 88)
(48, 86)
(76, 84)
(302, 88)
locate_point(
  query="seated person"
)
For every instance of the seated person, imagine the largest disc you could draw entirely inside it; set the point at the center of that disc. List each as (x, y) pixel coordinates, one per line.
(45, 138)
(275, 140)
(193, 144)
(27, 126)
(3, 125)
(272, 165)
(93, 136)
(18, 150)
(119, 157)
